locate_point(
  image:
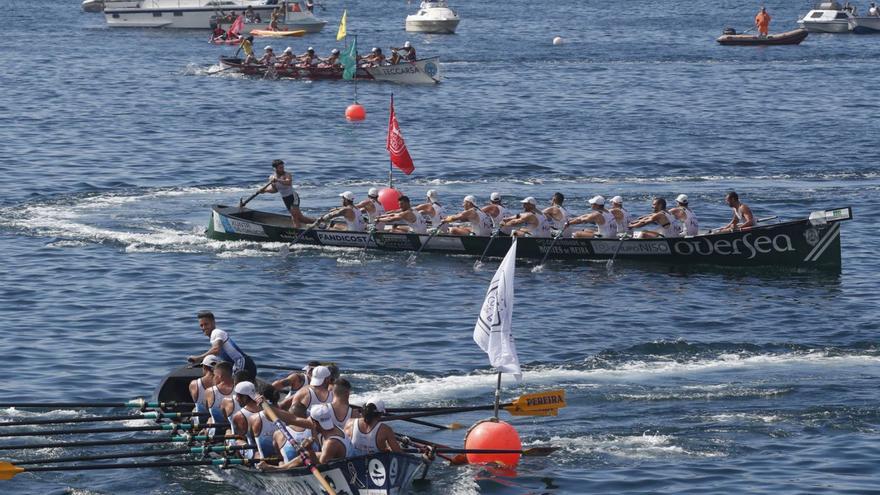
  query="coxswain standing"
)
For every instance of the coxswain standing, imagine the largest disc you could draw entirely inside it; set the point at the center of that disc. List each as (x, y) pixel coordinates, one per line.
(532, 220)
(415, 222)
(247, 46)
(223, 346)
(690, 226)
(762, 22)
(666, 221)
(433, 210)
(369, 434)
(268, 57)
(557, 215)
(497, 212)
(606, 226)
(372, 207)
(621, 216)
(348, 211)
(199, 386)
(742, 214)
(480, 223)
(282, 183)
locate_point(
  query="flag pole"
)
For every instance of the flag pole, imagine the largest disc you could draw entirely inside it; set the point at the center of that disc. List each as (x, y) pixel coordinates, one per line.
(497, 394)
(390, 161)
(355, 72)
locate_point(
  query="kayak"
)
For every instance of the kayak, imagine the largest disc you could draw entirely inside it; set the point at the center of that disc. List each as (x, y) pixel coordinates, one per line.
(221, 41)
(423, 71)
(793, 37)
(266, 33)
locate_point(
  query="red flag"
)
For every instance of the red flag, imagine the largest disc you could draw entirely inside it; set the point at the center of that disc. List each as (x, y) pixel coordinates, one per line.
(396, 146)
(237, 26)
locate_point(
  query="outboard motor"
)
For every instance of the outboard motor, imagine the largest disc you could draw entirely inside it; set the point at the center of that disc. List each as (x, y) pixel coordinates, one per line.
(729, 31)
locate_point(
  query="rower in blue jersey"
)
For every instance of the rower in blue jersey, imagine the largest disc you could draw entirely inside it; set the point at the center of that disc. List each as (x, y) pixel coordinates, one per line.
(215, 395)
(223, 347)
(239, 422)
(200, 385)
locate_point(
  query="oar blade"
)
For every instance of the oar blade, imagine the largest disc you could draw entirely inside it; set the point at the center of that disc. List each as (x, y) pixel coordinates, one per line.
(9, 470)
(544, 403)
(539, 451)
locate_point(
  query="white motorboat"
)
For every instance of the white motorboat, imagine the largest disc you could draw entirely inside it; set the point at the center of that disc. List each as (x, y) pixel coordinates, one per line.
(828, 17)
(93, 5)
(434, 16)
(201, 14)
(865, 24)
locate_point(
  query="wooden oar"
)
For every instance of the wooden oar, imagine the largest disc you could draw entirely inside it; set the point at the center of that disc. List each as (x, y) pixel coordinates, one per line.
(543, 403)
(552, 243)
(450, 426)
(307, 461)
(610, 264)
(529, 452)
(157, 415)
(254, 195)
(138, 403)
(412, 258)
(8, 470)
(171, 427)
(129, 441)
(306, 231)
(479, 262)
(228, 449)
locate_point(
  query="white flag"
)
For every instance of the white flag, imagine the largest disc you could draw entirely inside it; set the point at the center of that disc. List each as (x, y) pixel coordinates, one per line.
(493, 331)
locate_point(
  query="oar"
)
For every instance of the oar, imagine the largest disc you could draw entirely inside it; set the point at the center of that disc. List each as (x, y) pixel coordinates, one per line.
(229, 449)
(98, 419)
(546, 254)
(479, 262)
(412, 258)
(254, 195)
(535, 404)
(712, 231)
(370, 231)
(450, 426)
(130, 441)
(171, 427)
(529, 452)
(610, 264)
(8, 470)
(306, 231)
(307, 462)
(138, 403)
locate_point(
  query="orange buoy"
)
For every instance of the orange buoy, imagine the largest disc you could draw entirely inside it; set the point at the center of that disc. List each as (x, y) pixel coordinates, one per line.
(388, 197)
(356, 112)
(497, 435)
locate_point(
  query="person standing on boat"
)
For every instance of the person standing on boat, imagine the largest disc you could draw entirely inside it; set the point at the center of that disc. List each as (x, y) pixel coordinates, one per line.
(480, 223)
(621, 216)
(369, 434)
(557, 215)
(372, 207)
(497, 212)
(742, 214)
(762, 22)
(532, 220)
(606, 226)
(413, 220)
(349, 212)
(666, 221)
(690, 226)
(223, 346)
(873, 10)
(433, 210)
(282, 183)
(199, 386)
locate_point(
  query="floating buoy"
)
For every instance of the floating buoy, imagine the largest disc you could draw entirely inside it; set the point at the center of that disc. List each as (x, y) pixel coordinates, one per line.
(355, 112)
(388, 197)
(558, 40)
(496, 435)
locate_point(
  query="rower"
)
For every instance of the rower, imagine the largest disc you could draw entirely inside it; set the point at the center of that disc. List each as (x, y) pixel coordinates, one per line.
(221, 389)
(349, 212)
(497, 212)
(414, 222)
(333, 442)
(247, 46)
(742, 214)
(239, 421)
(286, 58)
(666, 221)
(480, 223)
(223, 346)
(342, 410)
(557, 215)
(375, 57)
(332, 60)
(263, 428)
(407, 52)
(318, 392)
(533, 221)
(690, 226)
(282, 183)
(433, 210)
(621, 216)
(605, 225)
(372, 207)
(268, 57)
(198, 386)
(308, 59)
(369, 434)
(229, 406)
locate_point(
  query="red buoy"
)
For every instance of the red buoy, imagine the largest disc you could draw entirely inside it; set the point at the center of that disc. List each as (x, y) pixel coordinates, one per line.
(355, 112)
(496, 435)
(388, 197)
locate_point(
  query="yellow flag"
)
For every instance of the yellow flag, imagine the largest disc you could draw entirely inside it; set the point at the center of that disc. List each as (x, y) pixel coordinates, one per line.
(341, 33)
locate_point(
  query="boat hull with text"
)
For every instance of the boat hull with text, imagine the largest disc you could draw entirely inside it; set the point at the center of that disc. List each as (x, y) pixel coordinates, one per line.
(423, 71)
(808, 243)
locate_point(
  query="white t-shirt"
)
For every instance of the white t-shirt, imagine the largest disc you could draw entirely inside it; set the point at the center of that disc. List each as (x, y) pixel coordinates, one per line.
(228, 350)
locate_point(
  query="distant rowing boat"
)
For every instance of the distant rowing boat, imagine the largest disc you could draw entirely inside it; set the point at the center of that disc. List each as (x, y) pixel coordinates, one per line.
(812, 242)
(424, 71)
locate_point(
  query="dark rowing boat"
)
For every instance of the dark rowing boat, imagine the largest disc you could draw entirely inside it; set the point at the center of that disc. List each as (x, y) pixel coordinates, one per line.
(793, 37)
(812, 242)
(423, 71)
(380, 474)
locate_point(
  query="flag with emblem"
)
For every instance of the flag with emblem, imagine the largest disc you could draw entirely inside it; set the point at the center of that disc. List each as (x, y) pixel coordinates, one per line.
(341, 33)
(493, 331)
(396, 146)
(349, 61)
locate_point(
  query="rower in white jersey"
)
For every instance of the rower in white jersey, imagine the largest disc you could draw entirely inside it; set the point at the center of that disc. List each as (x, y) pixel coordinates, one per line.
(369, 434)
(334, 444)
(668, 224)
(318, 392)
(223, 346)
(433, 211)
(229, 406)
(557, 215)
(497, 212)
(532, 220)
(263, 429)
(621, 217)
(239, 421)
(690, 226)
(353, 222)
(742, 214)
(292, 383)
(222, 389)
(480, 223)
(604, 220)
(372, 208)
(342, 410)
(199, 386)
(406, 219)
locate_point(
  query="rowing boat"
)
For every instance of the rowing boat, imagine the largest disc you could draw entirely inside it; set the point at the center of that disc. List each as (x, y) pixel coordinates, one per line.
(424, 71)
(383, 473)
(793, 37)
(812, 242)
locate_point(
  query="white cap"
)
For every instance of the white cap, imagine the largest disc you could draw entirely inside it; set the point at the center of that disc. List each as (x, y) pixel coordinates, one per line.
(288, 50)
(470, 199)
(407, 44)
(310, 49)
(347, 195)
(267, 48)
(495, 196)
(682, 198)
(246, 388)
(375, 49)
(306, 368)
(597, 200)
(319, 375)
(323, 415)
(617, 200)
(379, 403)
(334, 51)
(373, 192)
(432, 194)
(530, 200)
(210, 361)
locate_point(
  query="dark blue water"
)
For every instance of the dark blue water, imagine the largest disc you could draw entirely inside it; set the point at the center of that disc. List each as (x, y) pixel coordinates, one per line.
(116, 143)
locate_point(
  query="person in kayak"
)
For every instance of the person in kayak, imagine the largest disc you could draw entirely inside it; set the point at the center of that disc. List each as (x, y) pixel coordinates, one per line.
(480, 222)
(218, 33)
(667, 222)
(223, 347)
(742, 214)
(762, 22)
(282, 183)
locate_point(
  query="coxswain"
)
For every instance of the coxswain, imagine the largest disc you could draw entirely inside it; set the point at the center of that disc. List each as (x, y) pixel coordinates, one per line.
(317, 392)
(286, 58)
(247, 46)
(690, 226)
(606, 226)
(223, 346)
(245, 394)
(497, 212)
(369, 434)
(268, 57)
(372, 207)
(200, 385)
(742, 214)
(353, 221)
(282, 183)
(413, 220)
(222, 389)
(480, 223)
(557, 215)
(433, 210)
(762, 22)
(532, 220)
(376, 57)
(621, 216)
(308, 59)
(333, 442)
(332, 60)
(666, 221)
(407, 52)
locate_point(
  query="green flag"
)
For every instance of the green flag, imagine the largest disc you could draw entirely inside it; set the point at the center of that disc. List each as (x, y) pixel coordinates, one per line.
(349, 61)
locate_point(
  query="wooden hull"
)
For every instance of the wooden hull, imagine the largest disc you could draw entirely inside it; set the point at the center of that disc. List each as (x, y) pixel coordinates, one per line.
(799, 243)
(424, 71)
(793, 37)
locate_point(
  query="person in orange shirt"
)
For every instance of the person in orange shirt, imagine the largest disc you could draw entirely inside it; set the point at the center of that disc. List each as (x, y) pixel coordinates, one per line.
(762, 21)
